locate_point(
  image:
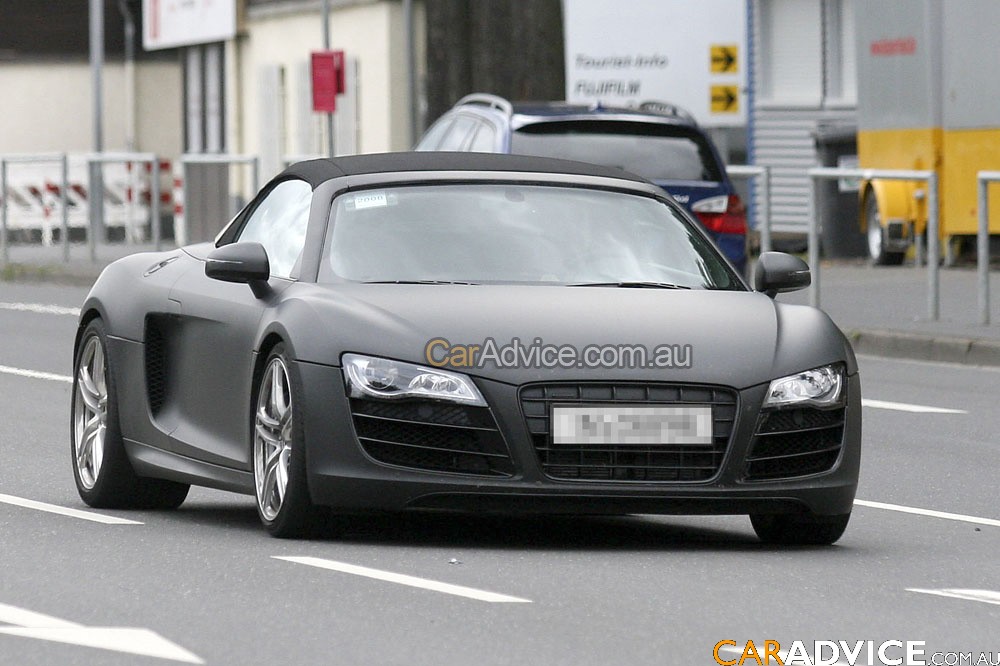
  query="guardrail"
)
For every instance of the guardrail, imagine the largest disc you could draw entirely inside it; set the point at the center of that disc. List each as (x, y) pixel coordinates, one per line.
(182, 224)
(930, 177)
(762, 176)
(209, 158)
(53, 158)
(983, 179)
(96, 212)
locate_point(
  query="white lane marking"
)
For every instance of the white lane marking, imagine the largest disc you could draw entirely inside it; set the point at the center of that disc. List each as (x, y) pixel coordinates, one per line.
(984, 596)
(131, 640)
(34, 374)
(975, 520)
(906, 407)
(64, 511)
(22, 617)
(39, 308)
(401, 579)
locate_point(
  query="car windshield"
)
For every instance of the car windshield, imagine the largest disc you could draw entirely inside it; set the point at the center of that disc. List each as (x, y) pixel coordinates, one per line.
(515, 233)
(654, 151)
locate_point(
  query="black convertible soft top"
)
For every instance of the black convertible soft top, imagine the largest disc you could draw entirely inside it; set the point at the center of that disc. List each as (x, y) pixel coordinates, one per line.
(318, 171)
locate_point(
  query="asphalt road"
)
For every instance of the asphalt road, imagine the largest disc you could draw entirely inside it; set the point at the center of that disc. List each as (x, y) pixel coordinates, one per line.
(203, 584)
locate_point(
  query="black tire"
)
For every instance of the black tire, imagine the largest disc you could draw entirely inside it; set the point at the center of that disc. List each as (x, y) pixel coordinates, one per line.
(799, 530)
(876, 236)
(101, 468)
(277, 435)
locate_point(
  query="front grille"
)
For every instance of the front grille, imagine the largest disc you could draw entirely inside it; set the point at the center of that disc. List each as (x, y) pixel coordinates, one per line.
(434, 436)
(624, 463)
(795, 442)
(156, 366)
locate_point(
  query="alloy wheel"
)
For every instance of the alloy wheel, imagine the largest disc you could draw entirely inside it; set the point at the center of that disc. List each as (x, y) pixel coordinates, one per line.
(272, 442)
(90, 412)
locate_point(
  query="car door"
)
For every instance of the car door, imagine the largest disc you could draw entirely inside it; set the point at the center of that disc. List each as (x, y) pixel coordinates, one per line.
(216, 332)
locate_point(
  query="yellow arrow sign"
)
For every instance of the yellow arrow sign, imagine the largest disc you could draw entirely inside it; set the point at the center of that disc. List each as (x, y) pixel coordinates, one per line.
(724, 59)
(725, 99)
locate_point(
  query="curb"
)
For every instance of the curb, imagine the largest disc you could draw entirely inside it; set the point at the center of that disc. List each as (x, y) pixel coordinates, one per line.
(942, 348)
(65, 274)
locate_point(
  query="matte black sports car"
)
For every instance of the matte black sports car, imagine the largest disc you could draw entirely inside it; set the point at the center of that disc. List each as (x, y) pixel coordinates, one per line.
(467, 332)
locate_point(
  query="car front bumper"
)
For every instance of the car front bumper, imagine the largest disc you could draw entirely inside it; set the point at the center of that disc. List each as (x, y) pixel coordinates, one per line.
(343, 474)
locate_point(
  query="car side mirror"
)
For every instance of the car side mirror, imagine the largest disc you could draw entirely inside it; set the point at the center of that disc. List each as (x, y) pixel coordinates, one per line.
(777, 272)
(240, 262)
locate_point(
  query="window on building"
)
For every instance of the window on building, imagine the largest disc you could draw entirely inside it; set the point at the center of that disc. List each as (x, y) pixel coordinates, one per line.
(806, 53)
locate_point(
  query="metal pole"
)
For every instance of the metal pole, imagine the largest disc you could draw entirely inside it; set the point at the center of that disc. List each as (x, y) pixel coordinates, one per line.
(256, 173)
(94, 197)
(933, 292)
(154, 203)
(326, 47)
(5, 253)
(64, 202)
(764, 210)
(411, 68)
(813, 244)
(96, 172)
(130, 123)
(983, 250)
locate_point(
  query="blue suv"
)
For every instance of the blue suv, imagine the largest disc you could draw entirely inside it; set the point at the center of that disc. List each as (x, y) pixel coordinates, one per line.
(658, 141)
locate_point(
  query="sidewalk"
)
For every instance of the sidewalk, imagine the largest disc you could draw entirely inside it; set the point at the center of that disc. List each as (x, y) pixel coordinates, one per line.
(882, 310)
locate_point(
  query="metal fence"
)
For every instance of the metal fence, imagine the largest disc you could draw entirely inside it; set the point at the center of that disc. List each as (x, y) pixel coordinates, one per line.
(89, 204)
(983, 179)
(761, 177)
(930, 177)
(203, 205)
(52, 158)
(758, 175)
(97, 211)
(225, 159)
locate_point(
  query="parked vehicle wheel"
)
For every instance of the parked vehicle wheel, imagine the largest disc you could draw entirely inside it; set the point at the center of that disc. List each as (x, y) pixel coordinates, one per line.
(104, 476)
(876, 236)
(799, 530)
(279, 466)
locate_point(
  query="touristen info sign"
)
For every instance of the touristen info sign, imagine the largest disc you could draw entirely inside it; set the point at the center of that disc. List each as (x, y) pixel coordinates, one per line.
(691, 54)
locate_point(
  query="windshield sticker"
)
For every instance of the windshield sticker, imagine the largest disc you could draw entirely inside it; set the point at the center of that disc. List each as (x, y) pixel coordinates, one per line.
(370, 200)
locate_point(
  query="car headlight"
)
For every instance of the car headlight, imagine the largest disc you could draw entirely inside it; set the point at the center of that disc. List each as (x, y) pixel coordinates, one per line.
(370, 377)
(820, 387)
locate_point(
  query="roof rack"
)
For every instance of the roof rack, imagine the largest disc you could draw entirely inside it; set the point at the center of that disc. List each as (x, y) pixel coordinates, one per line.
(666, 109)
(486, 99)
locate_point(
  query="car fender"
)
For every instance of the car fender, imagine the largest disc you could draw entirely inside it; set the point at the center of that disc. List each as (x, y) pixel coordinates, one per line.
(808, 338)
(121, 297)
(895, 199)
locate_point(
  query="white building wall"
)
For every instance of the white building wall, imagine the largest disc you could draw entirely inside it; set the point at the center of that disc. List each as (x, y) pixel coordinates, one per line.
(272, 69)
(46, 107)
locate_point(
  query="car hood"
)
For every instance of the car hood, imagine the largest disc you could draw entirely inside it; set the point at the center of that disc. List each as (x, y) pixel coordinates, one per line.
(730, 338)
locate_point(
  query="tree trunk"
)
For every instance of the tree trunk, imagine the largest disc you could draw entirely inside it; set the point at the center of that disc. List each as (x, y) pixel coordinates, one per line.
(511, 48)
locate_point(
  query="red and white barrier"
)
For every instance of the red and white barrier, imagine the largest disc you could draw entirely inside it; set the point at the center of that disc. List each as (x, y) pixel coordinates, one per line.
(35, 201)
(180, 223)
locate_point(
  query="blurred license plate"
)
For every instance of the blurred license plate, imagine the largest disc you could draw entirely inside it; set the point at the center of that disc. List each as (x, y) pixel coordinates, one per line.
(632, 424)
